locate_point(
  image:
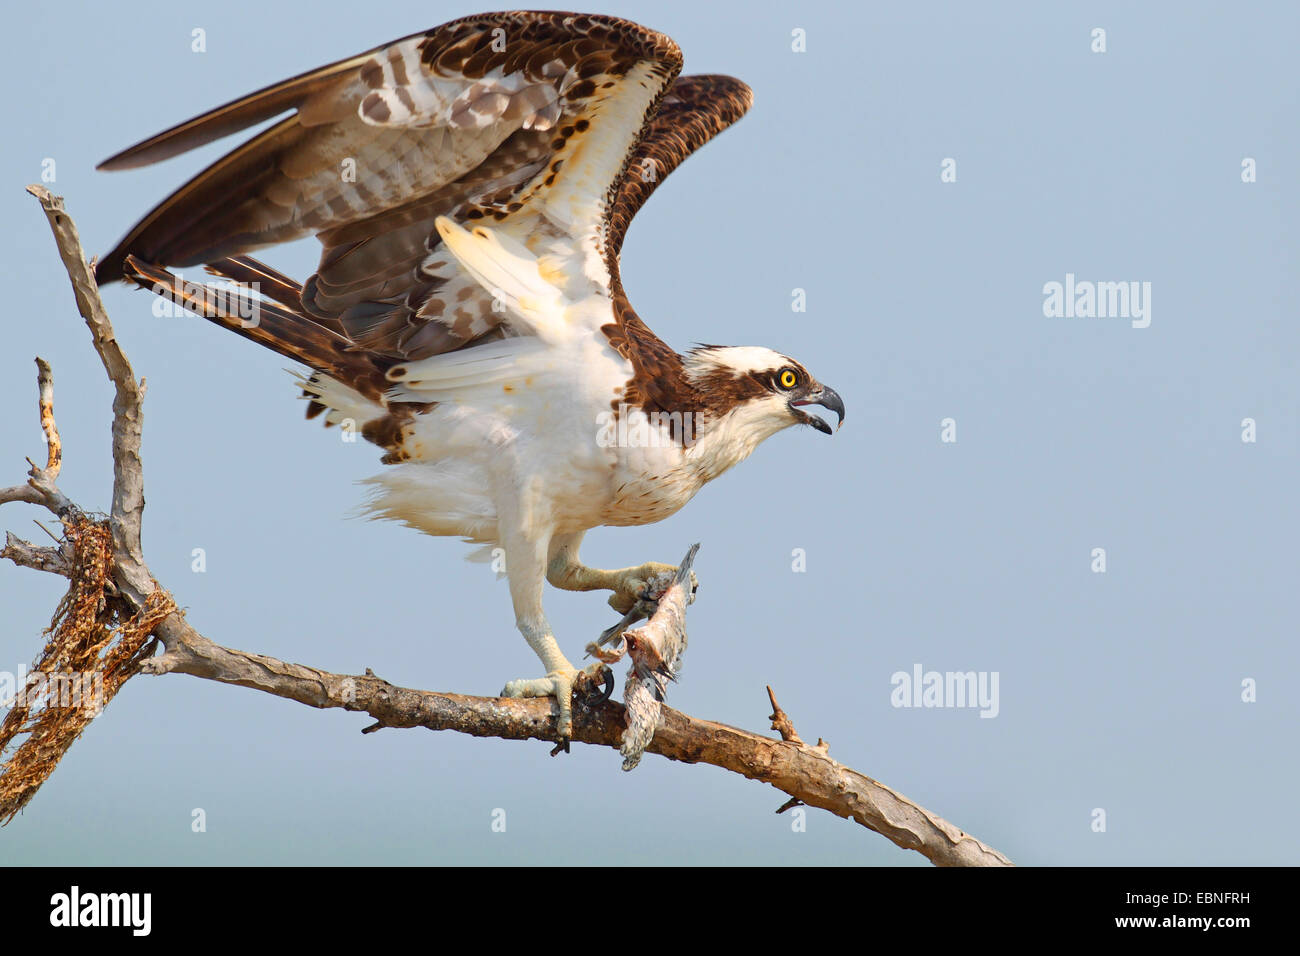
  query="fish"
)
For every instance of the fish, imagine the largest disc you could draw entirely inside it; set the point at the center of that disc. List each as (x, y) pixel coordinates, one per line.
(654, 650)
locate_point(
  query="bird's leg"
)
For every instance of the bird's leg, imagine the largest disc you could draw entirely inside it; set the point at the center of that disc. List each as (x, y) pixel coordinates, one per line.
(565, 570)
(560, 680)
(526, 569)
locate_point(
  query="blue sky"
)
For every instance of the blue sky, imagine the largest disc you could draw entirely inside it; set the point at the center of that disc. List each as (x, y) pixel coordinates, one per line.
(1119, 691)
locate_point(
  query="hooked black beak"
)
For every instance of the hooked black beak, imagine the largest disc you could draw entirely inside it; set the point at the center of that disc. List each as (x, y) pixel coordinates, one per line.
(829, 399)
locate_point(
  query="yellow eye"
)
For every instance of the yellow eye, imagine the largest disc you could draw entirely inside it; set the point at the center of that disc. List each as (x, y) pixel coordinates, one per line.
(789, 379)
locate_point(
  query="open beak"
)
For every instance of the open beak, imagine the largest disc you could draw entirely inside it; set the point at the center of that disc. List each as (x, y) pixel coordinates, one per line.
(829, 399)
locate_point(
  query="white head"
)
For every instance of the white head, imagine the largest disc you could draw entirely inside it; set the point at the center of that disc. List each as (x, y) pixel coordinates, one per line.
(750, 393)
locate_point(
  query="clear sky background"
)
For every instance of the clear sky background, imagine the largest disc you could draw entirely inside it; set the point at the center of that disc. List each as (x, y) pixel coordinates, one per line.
(1119, 691)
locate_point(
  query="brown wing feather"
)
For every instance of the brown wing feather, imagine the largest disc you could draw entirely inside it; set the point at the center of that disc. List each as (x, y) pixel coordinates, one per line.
(412, 117)
(384, 290)
(692, 112)
(237, 115)
(387, 280)
(281, 329)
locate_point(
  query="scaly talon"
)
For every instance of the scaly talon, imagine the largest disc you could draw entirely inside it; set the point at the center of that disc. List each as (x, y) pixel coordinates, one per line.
(635, 582)
(561, 684)
(557, 684)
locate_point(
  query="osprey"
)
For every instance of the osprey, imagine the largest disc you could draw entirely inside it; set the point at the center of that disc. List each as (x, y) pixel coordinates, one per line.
(471, 187)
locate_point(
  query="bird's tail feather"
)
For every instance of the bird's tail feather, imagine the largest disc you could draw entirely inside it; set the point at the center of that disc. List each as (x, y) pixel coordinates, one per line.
(277, 325)
(270, 282)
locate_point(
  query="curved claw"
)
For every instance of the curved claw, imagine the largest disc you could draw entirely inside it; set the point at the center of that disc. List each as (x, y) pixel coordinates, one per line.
(595, 697)
(561, 745)
(608, 690)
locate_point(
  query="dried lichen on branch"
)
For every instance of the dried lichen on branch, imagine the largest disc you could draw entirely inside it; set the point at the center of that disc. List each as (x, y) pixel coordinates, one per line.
(95, 643)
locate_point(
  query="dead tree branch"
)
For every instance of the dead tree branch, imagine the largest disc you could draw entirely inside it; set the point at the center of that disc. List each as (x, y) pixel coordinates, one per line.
(806, 773)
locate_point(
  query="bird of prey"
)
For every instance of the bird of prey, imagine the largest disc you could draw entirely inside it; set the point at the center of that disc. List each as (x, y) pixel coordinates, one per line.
(471, 187)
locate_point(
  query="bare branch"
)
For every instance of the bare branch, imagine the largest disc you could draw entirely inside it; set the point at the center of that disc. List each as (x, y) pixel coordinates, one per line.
(53, 444)
(806, 773)
(26, 493)
(780, 721)
(40, 488)
(27, 555)
(128, 472)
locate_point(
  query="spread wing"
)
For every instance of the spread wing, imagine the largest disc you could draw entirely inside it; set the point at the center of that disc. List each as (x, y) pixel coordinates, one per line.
(693, 111)
(553, 128)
